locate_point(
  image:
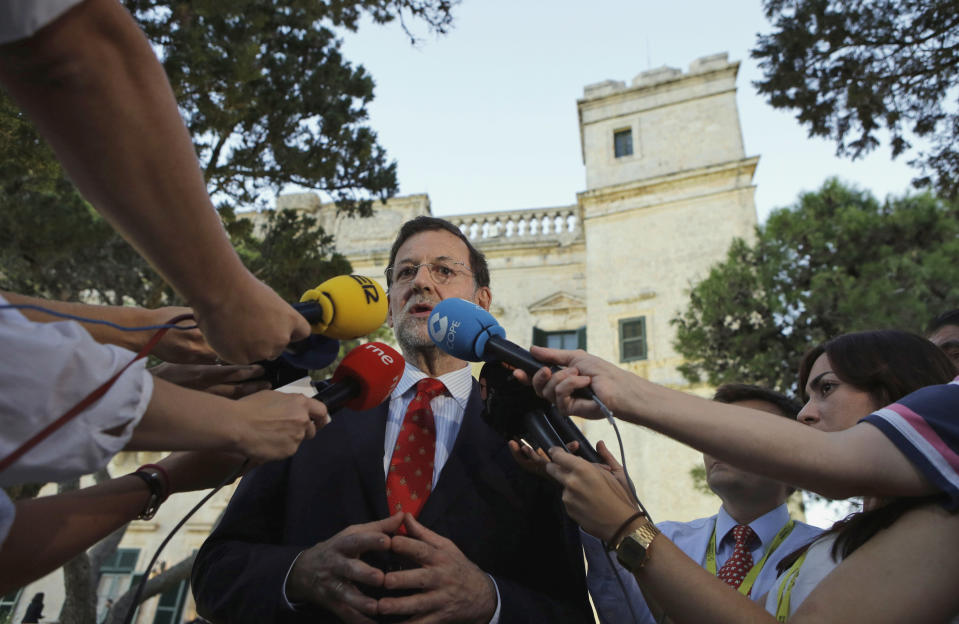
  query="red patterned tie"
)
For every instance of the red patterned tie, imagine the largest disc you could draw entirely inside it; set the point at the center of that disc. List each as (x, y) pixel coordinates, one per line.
(741, 561)
(410, 477)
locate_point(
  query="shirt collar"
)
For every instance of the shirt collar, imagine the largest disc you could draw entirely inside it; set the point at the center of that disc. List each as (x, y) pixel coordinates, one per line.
(766, 526)
(459, 383)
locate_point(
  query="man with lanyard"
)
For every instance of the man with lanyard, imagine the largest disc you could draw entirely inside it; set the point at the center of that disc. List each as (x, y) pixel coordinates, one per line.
(742, 544)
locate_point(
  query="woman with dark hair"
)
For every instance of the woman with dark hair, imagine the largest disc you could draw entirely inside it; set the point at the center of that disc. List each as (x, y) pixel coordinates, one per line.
(845, 380)
(851, 447)
(34, 609)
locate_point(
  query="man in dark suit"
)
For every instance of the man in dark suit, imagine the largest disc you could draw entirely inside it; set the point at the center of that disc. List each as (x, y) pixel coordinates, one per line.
(471, 538)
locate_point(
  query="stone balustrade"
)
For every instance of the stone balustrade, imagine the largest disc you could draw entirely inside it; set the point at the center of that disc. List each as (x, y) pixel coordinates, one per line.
(520, 225)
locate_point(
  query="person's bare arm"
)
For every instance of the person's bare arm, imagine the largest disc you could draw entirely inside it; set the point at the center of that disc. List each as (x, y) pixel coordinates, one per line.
(178, 346)
(264, 426)
(49, 531)
(98, 94)
(905, 573)
(232, 381)
(858, 461)
(875, 584)
(596, 499)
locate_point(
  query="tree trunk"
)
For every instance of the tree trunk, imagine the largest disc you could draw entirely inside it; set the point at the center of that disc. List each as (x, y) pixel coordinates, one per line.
(80, 604)
(154, 586)
(81, 575)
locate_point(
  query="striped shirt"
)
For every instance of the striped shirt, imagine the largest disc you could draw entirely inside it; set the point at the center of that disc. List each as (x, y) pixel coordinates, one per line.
(448, 410)
(924, 425)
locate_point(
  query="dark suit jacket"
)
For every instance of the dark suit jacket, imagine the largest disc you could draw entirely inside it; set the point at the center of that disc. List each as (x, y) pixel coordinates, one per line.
(509, 523)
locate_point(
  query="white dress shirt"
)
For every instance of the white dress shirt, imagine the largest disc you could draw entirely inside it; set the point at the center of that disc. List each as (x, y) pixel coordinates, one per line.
(448, 410)
(47, 368)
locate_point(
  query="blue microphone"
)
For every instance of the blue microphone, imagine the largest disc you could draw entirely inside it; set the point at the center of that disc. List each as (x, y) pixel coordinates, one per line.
(468, 332)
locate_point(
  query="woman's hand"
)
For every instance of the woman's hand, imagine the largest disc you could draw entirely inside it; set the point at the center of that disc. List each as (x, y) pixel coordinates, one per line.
(617, 388)
(592, 495)
(534, 460)
(230, 381)
(180, 346)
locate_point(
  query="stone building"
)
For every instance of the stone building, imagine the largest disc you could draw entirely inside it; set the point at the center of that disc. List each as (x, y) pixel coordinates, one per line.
(668, 186)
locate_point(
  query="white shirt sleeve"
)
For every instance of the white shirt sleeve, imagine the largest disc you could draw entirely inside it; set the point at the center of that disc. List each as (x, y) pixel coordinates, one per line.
(20, 19)
(47, 368)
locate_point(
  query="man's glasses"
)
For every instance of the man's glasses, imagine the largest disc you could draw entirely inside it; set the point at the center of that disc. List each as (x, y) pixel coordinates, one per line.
(441, 272)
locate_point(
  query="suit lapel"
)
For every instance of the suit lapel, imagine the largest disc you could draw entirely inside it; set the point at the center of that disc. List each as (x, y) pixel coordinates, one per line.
(471, 462)
(367, 431)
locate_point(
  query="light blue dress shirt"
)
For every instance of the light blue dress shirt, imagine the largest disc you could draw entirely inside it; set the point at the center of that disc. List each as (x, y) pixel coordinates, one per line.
(693, 539)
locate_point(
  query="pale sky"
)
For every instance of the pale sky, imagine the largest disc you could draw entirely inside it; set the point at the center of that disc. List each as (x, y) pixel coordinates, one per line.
(484, 118)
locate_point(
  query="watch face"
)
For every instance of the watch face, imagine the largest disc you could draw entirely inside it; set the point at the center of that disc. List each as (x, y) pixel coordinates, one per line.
(631, 553)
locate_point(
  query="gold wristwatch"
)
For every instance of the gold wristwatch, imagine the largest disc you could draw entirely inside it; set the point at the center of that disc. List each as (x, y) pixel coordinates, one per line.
(633, 551)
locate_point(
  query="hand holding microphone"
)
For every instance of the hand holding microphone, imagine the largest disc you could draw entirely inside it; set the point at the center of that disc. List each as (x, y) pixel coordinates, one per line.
(341, 308)
(631, 397)
(365, 378)
(468, 332)
(271, 425)
(344, 307)
(278, 421)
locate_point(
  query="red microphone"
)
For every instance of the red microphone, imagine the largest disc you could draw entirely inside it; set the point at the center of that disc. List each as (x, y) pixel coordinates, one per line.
(364, 379)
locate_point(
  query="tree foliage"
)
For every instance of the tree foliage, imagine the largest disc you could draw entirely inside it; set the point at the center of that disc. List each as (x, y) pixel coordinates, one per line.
(291, 253)
(269, 98)
(855, 70)
(837, 261)
(270, 101)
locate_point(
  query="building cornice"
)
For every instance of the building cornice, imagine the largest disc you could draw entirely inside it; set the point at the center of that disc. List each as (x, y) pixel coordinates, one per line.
(663, 190)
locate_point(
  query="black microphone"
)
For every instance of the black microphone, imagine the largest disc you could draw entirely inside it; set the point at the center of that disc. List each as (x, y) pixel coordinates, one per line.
(513, 410)
(468, 332)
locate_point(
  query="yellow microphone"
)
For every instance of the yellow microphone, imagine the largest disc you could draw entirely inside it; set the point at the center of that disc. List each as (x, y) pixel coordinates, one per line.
(344, 307)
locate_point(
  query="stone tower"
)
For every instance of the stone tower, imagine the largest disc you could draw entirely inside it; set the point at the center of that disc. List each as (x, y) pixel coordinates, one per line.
(668, 188)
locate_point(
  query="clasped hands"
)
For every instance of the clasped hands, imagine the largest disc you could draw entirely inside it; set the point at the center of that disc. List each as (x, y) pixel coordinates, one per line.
(446, 586)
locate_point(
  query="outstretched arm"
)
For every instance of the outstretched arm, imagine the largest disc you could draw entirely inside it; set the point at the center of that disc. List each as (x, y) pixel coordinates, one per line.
(49, 531)
(98, 94)
(874, 584)
(682, 588)
(178, 346)
(857, 461)
(264, 426)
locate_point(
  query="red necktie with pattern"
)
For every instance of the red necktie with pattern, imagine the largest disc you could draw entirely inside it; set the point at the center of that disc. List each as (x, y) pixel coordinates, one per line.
(741, 561)
(410, 478)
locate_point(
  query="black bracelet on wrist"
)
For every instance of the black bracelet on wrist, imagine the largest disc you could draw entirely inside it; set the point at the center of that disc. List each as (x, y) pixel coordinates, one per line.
(157, 493)
(618, 535)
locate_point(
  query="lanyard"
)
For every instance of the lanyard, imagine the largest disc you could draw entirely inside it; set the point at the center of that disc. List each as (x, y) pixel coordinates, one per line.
(747, 583)
(786, 588)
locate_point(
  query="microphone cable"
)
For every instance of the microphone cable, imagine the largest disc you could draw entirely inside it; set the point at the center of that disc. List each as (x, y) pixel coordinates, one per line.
(632, 488)
(146, 576)
(171, 324)
(100, 390)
